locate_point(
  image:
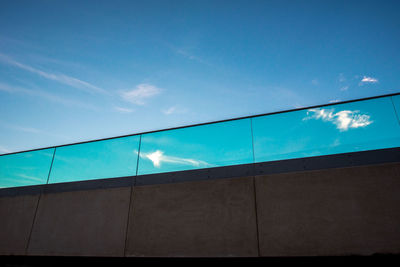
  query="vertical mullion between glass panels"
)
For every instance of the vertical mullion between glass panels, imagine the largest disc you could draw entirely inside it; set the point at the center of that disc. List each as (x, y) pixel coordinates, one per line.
(395, 111)
(51, 165)
(138, 155)
(252, 139)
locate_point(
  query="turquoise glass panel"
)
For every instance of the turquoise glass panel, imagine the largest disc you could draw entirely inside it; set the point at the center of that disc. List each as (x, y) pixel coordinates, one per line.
(341, 128)
(96, 160)
(27, 168)
(205, 146)
(396, 104)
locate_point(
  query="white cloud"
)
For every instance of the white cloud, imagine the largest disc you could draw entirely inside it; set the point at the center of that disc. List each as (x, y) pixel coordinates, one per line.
(186, 54)
(366, 79)
(169, 111)
(344, 88)
(336, 142)
(123, 110)
(174, 110)
(30, 130)
(20, 128)
(42, 94)
(343, 120)
(29, 177)
(158, 157)
(61, 78)
(287, 95)
(189, 55)
(334, 101)
(9, 89)
(4, 150)
(26, 129)
(341, 78)
(140, 94)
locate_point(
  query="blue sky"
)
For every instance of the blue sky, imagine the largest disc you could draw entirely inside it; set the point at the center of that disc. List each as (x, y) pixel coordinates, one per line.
(72, 71)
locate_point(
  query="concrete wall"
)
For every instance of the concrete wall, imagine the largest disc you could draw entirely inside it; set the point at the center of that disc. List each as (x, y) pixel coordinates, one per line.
(339, 211)
(16, 219)
(349, 211)
(206, 218)
(81, 223)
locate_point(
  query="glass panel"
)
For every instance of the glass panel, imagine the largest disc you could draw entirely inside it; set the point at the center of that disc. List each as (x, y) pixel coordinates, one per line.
(356, 126)
(95, 160)
(205, 146)
(396, 104)
(27, 168)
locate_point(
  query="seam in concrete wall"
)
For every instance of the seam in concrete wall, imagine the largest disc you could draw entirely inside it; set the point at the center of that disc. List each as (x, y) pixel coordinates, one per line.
(256, 215)
(259, 223)
(32, 225)
(37, 204)
(254, 187)
(131, 199)
(131, 212)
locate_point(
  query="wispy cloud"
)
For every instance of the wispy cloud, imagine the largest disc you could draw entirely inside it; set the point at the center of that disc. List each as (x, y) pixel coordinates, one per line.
(344, 88)
(123, 110)
(10, 89)
(189, 55)
(336, 143)
(287, 96)
(341, 78)
(366, 79)
(4, 150)
(158, 157)
(343, 120)
(334, 101)
(169, 110)
(174, 110)
(188, 52)
(140, 94)
(29, 177)
(45, 95)
(30, 130)
(61, 78)
(25, 129)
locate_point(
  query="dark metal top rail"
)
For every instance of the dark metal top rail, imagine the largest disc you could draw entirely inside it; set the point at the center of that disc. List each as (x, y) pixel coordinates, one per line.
(213, 122)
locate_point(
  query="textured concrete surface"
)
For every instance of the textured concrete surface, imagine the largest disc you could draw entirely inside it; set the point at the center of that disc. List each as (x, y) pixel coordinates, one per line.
(81, 223)
(16, 218)
(343, 211)
(207, 218)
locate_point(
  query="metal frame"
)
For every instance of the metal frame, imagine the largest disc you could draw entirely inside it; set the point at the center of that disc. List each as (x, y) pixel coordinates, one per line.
(206, 123)
(352, 159)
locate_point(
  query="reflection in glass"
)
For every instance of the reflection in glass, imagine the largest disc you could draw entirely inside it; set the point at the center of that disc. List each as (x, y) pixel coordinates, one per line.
(95, 160)
(205, 146)
(356, 126)
(27, 168)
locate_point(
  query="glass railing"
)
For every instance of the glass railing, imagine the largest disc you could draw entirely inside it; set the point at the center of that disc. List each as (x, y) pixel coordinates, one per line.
(27, 168)
(95, 160)
(210, 145)
(360, 125)
(355, 126)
